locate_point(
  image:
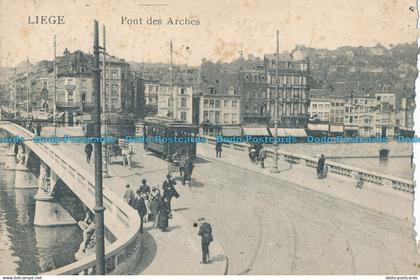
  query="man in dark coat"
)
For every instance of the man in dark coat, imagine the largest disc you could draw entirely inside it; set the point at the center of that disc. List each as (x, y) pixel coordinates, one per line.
(140, 205)
(88, 151)
(205, 232)
(218, 149)
(38, 129)
(320, 167)
(169, 190)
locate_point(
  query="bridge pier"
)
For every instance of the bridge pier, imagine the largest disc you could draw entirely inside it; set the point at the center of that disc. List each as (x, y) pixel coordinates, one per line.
(10, 158)
(24, 179)
(48, 211)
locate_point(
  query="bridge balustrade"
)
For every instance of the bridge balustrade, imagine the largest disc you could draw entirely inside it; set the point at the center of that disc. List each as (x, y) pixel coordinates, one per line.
(334, 167)
(122, 255)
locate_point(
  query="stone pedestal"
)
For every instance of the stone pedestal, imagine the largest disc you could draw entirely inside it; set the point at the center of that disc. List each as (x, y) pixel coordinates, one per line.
(48, 212)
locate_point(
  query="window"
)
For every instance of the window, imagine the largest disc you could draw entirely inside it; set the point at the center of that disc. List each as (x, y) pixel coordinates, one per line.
(217, 117)
(183, 91)
(83, 82)
(234, 103)
(150, 88)
(225, 117)
(184, 116)
(231, 91)
(226, 103)
(70, 96)
(314, 106)
(70, 82)
(206, 115)
(217, 104)
(114, 74)
(183, 102)
(114, 90)
(234, 118)
(212, 90)
(211, 103)
(206, 103)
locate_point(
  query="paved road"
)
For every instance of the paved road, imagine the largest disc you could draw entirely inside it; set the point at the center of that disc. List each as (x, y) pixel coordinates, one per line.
(271, 227)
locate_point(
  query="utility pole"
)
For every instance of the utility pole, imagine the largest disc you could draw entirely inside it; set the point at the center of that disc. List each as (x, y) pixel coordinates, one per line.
(171, 100)
(27, 93)
(276, 113)
(106, 110)
(14, 92)
(55, 87)
(99, 209)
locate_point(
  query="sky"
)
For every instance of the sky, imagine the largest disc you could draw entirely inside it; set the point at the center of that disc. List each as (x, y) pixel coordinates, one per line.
(226, 27)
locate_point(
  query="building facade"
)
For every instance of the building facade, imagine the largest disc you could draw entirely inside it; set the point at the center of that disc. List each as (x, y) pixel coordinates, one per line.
(293, 83)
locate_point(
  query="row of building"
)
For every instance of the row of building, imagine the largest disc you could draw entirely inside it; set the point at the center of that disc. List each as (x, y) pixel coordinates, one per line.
(72, 89)
(362, 113)
(215, 99)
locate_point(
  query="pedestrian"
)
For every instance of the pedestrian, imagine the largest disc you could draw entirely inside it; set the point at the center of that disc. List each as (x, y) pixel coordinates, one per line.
(219, 149)
(140, 206)
(129, 195)
(88, 151)
(262, 156)
(320, 167)
(154, 203)
(163, 214)
(169, 191)
(188, 168)
(144, 187)
(205, 232)
(38, 129)
(359, 180)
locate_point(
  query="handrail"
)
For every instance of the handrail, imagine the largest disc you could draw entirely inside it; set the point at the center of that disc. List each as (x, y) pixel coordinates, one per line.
(335, 167)
(121, 219)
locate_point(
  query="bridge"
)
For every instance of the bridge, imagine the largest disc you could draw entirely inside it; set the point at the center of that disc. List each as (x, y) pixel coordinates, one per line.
(121, 221)
(293, 223)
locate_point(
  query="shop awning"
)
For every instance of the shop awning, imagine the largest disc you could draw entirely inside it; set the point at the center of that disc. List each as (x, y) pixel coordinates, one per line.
(295, 132)
(336, 128)
(231, 131)
(351, 128)
(256, 131)
(318, 127)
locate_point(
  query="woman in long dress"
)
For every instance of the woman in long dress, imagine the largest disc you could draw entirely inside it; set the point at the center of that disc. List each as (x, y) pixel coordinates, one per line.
(154, 203)
(163, 216)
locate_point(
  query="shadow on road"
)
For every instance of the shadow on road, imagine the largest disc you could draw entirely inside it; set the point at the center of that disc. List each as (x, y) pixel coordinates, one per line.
(148, 253)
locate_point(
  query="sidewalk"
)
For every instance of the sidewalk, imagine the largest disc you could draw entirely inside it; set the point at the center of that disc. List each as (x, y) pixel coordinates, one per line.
(393, 202)
(177, 252)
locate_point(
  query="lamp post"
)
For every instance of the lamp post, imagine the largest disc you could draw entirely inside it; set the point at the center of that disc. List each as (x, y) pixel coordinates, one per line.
(276, 112)
(99, 209)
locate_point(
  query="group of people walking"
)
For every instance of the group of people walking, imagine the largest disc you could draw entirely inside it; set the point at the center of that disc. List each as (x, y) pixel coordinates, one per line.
(152, 204)
(257, 152)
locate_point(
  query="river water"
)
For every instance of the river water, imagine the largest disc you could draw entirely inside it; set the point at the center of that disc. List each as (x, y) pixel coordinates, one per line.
(362, 155)
(25, 248)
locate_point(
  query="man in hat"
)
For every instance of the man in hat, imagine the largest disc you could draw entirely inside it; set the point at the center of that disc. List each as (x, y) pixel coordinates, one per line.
(169, 190)
(320, 167)
(205, 232)
(140, 206)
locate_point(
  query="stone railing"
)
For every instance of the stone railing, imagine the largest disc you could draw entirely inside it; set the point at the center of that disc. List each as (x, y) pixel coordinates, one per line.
(334, 167)
(120, 219)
